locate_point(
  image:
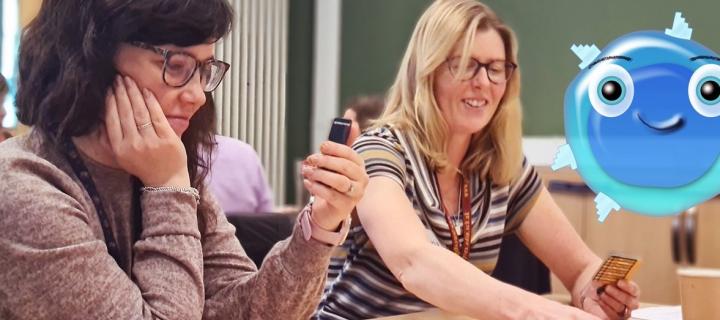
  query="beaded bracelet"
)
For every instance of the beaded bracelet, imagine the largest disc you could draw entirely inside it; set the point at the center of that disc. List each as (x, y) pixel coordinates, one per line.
(189, 190)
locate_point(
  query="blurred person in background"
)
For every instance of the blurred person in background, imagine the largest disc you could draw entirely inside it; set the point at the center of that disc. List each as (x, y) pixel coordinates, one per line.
(364, 110)
(237, 178)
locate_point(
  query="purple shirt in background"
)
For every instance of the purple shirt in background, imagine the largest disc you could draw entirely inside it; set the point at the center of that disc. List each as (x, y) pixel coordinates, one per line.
(237, 179)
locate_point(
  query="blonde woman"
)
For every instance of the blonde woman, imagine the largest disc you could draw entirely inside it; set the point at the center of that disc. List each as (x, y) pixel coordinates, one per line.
(446, 165)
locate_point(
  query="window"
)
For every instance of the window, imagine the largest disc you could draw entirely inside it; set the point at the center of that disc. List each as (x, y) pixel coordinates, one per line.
(8, 56)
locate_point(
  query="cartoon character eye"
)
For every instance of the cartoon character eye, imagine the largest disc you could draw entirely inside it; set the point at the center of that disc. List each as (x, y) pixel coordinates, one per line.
(611, 90)
(704, 90)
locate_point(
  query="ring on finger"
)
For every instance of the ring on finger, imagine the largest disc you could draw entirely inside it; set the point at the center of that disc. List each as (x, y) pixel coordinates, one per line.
(145, 125)
(350, 189)
(625, 314)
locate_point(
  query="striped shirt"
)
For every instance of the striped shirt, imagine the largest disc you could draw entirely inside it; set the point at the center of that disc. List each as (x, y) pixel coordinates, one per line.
(359, 284)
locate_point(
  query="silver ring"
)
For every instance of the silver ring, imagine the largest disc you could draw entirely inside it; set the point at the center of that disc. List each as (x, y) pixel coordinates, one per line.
(626, 313)
(144, 125)
(351, 189)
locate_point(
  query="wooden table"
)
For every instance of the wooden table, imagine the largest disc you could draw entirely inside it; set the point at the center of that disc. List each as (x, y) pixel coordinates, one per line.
(437, 314)
(432, 314)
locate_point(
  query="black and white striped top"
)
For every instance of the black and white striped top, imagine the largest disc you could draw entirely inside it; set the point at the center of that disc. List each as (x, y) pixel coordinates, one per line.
(359, 284)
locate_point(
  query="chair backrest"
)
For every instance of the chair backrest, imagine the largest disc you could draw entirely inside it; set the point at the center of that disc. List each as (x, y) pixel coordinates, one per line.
(259, 232)
(519, 267)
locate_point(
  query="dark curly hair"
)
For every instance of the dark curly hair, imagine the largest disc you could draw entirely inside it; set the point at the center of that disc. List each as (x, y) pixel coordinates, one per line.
(66, 64)
(3, 86)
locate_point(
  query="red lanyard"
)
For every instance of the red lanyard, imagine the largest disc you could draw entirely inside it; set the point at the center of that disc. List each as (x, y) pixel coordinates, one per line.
(466, 221)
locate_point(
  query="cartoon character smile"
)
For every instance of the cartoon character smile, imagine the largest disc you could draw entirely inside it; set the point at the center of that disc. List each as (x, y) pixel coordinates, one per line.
(668, 126)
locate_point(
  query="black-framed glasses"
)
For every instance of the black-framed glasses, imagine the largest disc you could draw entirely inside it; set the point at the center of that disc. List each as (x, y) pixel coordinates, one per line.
(498, 71)
(179, 67)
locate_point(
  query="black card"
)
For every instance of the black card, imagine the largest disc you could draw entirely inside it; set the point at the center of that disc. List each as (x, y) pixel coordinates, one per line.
(340, 130)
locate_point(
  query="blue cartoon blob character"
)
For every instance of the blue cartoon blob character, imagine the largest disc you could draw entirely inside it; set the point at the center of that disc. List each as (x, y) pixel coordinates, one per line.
(642, 121)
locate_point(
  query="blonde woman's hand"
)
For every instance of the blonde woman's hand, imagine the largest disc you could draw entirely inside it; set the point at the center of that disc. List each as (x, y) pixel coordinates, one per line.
(336, 177)
(613, 301)
(141, 138)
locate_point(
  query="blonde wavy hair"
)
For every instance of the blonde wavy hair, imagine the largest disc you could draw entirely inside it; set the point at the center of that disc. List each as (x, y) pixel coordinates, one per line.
(495, 152)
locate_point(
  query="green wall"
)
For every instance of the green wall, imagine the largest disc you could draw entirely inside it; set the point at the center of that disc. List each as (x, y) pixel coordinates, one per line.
(373, 39)
(299, 88)
(375, 33)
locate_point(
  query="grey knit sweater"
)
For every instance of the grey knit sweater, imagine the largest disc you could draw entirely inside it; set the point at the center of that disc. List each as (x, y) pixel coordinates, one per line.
(54, 263)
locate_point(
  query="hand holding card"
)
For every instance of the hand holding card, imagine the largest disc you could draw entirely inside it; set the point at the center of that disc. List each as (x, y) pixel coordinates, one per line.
(336, 176)
(611, 291)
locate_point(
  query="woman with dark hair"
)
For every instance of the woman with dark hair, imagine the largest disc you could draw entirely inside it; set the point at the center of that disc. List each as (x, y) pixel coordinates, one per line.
(104, 211)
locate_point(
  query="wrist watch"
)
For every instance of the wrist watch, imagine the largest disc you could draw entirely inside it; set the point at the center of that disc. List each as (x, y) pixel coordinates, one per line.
(311, 229)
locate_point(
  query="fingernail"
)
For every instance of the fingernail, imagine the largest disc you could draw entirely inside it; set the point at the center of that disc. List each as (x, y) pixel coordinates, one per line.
(324, 146)
(307, 170)
(313, 160)
(307, 183)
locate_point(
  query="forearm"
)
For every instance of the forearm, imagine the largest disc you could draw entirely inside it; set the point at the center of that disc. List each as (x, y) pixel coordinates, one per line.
(56, 268)
(288, 285)
(444, 280)
(550, 236)
(168, 256)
